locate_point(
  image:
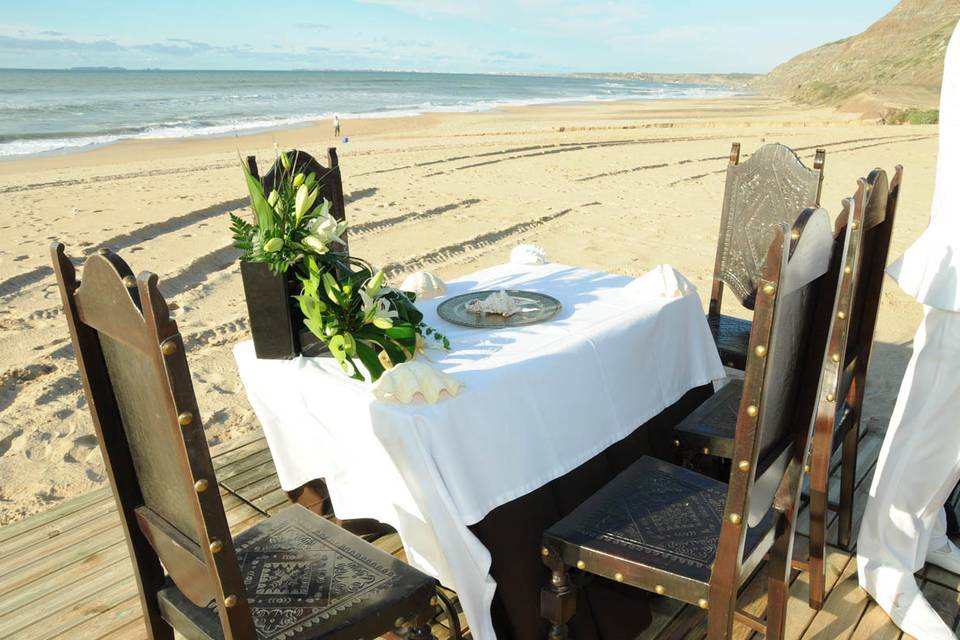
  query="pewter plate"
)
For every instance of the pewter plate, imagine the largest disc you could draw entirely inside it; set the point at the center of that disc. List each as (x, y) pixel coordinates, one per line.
(534, 308)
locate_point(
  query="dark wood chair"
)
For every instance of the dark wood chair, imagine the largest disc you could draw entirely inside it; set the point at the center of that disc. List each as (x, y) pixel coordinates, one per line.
(329, 178)
(667, 529)
(293, 575)
(869, 215)
(767, 190)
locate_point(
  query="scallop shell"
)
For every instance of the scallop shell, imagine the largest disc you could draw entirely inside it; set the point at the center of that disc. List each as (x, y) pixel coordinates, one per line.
(424, 284)
(528, 254)
(412, 380)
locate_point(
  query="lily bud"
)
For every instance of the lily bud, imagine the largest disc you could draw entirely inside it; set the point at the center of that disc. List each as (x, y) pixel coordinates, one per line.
(375, 283)
(273, 197)
(310, 180)
(382, 323)
(285, 161)
(273, 244)
(304, 201)
(298, 180)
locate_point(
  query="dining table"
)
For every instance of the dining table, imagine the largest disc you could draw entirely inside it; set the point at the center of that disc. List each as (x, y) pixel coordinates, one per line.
(547, 414)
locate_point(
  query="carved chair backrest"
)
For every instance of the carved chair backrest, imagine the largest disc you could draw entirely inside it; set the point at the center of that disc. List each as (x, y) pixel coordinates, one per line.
(138, 387)
(767, 190)
(329, 178)
(787, 346)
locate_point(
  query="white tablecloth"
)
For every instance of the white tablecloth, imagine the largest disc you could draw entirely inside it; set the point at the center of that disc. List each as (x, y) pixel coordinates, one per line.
(538, 401)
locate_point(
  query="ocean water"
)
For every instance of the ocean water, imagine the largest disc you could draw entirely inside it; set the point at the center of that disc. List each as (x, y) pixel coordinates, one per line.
(60, 111)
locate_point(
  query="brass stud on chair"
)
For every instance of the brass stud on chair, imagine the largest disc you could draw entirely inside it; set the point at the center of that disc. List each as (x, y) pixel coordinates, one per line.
(841, 315)
(848, 270)
(769, 289)
(129, 282)
(104, 251)
(794, 235)
(168, 348)
(744, 465)
(831, 397)
(185, 418)
(544, 552)
(216, 546)
(760, 350)
(434, 601)
(618, 577)
(735, 518)
(806, 468)
(676, 443)
(835, 358)
(581, 565)
(854, 225)
(703, 604)
(230, 601)
(660, 589)
(706, 451)
(752, 411)
(201, 485)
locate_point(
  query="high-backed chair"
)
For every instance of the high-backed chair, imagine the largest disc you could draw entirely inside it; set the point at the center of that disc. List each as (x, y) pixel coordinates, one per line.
(669, 530)
(291, 576)
(871, 215)
(767, 190)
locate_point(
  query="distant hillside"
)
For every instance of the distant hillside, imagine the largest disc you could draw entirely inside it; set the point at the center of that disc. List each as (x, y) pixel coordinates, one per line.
(896, 63)
(731, 80)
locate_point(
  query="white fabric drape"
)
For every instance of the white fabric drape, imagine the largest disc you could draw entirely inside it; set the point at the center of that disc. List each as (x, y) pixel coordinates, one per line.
(930, 268)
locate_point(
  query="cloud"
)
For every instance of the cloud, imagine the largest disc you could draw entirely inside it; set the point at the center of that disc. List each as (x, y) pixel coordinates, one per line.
(312, 26)
(57, 44)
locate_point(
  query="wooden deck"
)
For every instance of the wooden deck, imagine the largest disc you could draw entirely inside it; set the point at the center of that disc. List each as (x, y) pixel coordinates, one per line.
(65, 572)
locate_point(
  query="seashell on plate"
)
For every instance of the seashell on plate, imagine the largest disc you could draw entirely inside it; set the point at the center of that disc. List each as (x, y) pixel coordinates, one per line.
(424, 284)
(528, 254)
(413, 380)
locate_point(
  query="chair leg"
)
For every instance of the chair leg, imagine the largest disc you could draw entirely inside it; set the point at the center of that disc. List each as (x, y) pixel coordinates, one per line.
(720, 618)
(818, 510)
(848, 478)
(558, 602)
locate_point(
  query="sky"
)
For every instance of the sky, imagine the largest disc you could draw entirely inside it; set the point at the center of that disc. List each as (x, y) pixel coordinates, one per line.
(480, 36)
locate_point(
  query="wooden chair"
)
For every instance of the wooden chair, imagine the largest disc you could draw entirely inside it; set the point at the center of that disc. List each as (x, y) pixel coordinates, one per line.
(329, 178)
(873, 208)
(869, 215)
(291, 576)
(767, 190)
(667, 529)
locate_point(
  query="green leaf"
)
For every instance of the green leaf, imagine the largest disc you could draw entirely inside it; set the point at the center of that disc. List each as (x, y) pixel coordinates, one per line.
(368, 356)
(261, 208)
(338, 347)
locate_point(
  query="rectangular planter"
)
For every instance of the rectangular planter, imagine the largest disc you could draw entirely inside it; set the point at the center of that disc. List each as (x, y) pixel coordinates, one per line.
(274, 322)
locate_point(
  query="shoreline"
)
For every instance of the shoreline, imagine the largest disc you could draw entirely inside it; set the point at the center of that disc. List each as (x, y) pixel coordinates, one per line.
(307, 121)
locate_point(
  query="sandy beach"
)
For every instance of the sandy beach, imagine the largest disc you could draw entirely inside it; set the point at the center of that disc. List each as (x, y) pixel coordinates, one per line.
(619, 187)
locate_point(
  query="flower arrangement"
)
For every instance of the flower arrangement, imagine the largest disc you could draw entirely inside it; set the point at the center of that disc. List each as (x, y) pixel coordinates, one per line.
(343, 300)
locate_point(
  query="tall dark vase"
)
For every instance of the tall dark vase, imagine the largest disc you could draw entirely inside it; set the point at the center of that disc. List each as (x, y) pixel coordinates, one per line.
(274, 322)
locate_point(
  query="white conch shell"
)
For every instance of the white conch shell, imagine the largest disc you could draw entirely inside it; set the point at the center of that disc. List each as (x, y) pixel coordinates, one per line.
(409, 380)
(528, 254)
(424, 284)
(499, 302)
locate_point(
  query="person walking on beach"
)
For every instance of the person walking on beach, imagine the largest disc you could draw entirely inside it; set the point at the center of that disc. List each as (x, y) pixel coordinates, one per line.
(905, 524)
(336, 125)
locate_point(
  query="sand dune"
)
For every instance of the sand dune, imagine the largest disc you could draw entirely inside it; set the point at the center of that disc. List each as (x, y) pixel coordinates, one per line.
(619, 187)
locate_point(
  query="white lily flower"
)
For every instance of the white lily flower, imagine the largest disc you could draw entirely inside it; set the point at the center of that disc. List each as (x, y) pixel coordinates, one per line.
(377, 310)
(323, 231)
